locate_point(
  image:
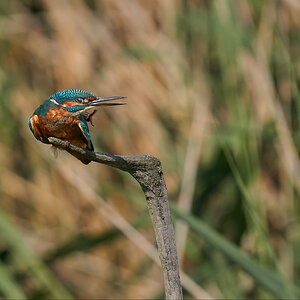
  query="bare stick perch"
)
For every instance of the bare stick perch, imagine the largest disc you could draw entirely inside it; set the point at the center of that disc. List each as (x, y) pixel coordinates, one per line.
(147, 171)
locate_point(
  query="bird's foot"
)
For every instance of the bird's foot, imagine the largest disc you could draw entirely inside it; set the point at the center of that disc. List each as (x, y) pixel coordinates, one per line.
(89, 118)
(67, 144)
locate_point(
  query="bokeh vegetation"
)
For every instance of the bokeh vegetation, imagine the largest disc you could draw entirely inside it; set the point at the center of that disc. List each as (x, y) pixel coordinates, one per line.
(213, 91)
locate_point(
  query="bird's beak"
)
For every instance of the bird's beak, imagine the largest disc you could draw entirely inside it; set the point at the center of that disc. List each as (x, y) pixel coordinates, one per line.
(104, 101)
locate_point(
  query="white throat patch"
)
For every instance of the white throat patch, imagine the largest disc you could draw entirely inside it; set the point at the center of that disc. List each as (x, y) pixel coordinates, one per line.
(53, 101)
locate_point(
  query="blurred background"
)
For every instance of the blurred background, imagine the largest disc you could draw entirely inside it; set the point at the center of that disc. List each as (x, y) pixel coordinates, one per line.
(213, 92)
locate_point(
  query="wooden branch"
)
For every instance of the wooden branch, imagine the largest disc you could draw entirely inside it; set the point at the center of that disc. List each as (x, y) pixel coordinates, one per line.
(147, 171)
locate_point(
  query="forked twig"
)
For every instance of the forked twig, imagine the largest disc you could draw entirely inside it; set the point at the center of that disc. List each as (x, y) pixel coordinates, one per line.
(147, 171)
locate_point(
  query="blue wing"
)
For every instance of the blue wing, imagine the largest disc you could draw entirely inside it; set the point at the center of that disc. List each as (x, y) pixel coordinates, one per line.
(86, 133)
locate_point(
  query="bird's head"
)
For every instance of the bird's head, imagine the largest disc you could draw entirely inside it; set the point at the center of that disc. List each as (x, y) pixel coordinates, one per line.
(75, 100)
(71, 95)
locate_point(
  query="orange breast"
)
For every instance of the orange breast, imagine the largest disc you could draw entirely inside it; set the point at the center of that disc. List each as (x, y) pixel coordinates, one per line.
(61, 124)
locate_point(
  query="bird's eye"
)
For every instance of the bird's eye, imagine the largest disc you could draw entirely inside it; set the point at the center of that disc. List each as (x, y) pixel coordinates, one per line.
(80, 100)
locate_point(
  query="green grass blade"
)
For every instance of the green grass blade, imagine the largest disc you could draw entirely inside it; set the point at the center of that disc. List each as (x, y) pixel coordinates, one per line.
(84, 243)
(8, 286)
(23, 254)
(271, 281)
(81, 243)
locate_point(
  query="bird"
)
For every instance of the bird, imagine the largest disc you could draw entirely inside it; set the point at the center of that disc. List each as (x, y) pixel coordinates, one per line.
(65, 115)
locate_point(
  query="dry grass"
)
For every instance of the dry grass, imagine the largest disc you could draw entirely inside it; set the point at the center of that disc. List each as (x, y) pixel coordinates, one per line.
(203, 78)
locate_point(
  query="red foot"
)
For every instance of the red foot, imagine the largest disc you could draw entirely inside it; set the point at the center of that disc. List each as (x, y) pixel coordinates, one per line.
(67, 144)
(89, 118)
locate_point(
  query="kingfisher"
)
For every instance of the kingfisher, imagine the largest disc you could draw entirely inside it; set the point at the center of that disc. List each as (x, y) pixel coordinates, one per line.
(66, 115)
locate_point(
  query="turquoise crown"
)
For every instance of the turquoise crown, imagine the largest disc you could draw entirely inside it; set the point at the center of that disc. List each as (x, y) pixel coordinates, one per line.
(70, 94)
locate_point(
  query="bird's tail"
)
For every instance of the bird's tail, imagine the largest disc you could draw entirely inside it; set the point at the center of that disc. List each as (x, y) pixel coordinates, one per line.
(78, 156)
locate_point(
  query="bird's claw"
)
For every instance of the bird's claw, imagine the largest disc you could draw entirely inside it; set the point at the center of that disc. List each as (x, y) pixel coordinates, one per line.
(67, 144)
(89, 118)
